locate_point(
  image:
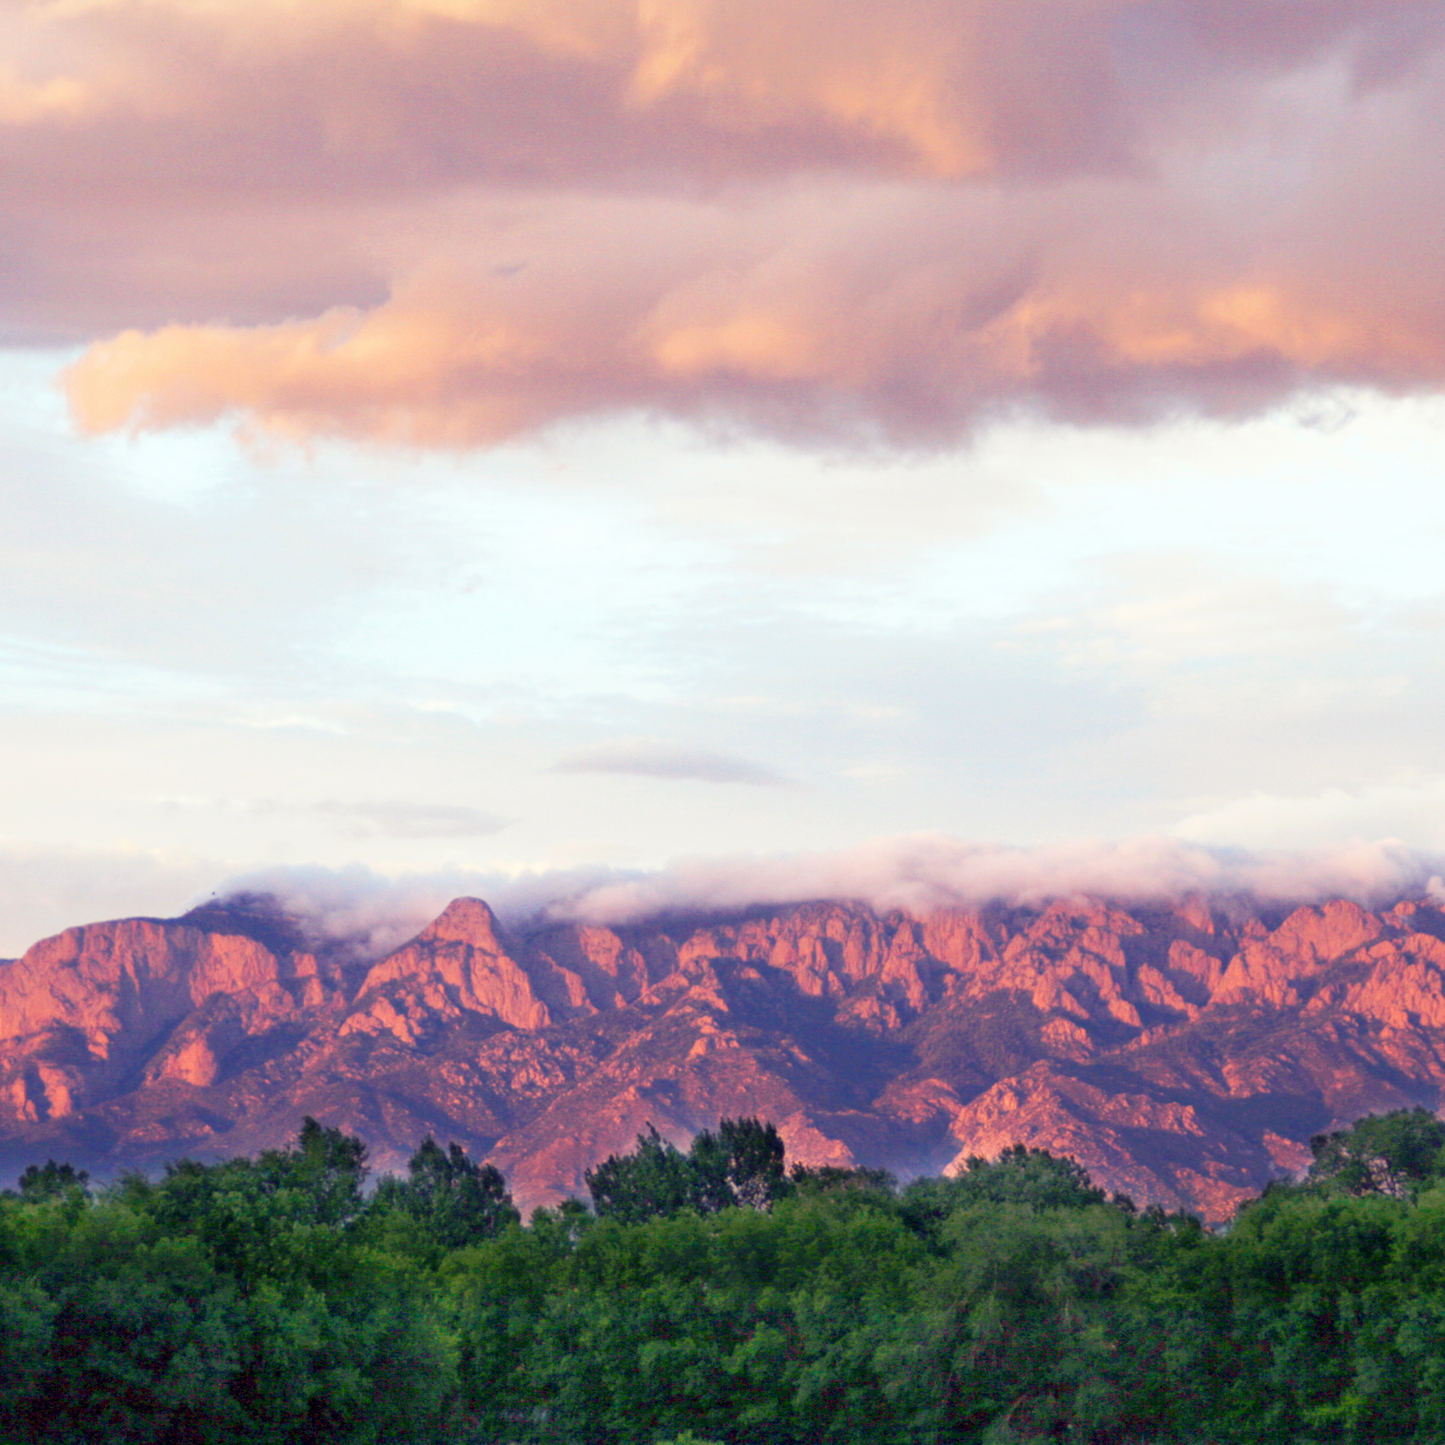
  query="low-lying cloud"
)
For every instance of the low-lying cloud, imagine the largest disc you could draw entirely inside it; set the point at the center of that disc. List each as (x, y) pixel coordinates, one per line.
(864, 223)
(373, 913)
(650, 758)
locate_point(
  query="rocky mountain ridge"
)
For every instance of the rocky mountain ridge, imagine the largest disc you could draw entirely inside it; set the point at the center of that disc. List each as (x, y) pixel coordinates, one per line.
(1184, 1054)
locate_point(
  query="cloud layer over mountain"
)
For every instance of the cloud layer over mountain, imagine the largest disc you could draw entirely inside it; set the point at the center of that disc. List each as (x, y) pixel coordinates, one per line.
(375, 913)
(447, 222)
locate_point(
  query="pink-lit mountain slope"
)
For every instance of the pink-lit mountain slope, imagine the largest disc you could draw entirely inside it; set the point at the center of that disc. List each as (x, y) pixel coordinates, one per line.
(1184, 1055)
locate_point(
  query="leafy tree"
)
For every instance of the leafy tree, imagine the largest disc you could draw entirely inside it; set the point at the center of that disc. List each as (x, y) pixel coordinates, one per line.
(326, 1164)
(752, 1157)
(1032, 1178)
(831, 1176)
(278, 1217)
(742, 1164)
(1390, 1154)
(655, 1179)
(51, 1181)
(455, 1201)
(254, 1302)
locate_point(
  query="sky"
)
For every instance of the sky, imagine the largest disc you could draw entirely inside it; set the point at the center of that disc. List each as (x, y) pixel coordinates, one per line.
(717, 451)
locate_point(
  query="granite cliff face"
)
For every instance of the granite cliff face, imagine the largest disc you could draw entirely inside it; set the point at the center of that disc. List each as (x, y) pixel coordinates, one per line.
(1183, 1054)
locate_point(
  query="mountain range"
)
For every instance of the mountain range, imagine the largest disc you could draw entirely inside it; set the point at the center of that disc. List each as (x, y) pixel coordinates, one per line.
(1184, 1053)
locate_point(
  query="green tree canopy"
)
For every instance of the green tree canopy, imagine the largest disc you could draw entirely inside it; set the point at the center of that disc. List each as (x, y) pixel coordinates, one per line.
(51, 1181)
(455, 1200)
(254, 1302)
(741, 1164)
(1392, 1154)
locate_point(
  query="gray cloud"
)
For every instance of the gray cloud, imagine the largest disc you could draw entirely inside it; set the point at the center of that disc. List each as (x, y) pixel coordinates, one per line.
(650, 758)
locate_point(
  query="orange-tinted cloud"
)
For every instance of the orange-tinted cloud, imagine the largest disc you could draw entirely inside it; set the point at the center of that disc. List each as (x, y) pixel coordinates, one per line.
(444, 222)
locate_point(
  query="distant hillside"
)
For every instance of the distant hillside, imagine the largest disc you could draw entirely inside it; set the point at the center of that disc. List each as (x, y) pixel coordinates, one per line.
(1183, 1055)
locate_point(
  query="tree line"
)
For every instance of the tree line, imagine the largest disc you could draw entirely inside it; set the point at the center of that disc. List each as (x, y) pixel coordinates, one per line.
(715, 1294)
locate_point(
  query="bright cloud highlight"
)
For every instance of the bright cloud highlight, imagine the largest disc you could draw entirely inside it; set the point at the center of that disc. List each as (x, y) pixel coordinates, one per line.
(854, 224)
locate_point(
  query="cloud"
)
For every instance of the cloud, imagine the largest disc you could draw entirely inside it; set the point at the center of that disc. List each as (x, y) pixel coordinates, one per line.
(385, 818)
(649, 758)
(866, 315)
(374, 913)
(400, 95)
(412, 820)
(862, 224)
(933, 871)
(1273, 820)
(354, 907)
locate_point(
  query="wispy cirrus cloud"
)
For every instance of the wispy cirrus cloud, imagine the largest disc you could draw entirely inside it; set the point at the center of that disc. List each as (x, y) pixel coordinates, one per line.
(652, 758)
(411, 820)
(376, 818)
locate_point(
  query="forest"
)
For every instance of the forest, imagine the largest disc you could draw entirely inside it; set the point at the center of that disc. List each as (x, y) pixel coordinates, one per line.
(718, 1295)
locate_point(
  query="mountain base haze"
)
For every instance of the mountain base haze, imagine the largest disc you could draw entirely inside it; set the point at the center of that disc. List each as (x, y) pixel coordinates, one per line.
(1183, 1052)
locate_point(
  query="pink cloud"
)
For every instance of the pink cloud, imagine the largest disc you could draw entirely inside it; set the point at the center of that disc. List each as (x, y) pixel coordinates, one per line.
(445, 222)
(916, 874)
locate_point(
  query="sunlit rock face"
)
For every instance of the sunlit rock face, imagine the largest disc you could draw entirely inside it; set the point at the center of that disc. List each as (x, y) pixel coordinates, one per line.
(1183, 1054)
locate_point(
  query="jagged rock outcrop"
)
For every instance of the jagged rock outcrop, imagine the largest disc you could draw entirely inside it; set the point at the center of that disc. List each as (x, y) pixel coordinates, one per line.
(456, 966)
(1183, 1054)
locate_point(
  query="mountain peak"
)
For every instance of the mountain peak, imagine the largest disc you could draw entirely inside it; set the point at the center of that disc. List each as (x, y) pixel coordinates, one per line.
(1183, 1054)
(259, 916)
(464, 920)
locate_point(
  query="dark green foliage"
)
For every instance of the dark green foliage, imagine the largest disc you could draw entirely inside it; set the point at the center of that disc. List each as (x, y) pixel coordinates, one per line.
(1027, 1176)
(711, 1298)
(830, 1176)
(742, 1164)
(1030, 1177)
(223, 1303)
(279, 1216)
(453, 1200)
(51, 1181)
(754, 1154)
(328, 1163)
(1384, 1154)
(655, 1179)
